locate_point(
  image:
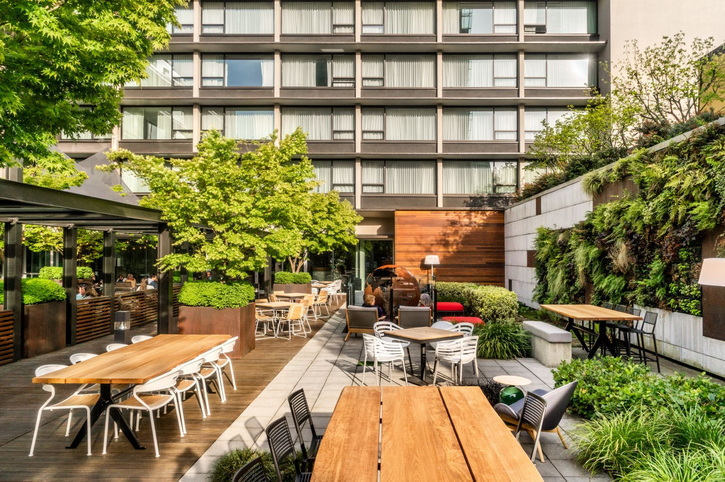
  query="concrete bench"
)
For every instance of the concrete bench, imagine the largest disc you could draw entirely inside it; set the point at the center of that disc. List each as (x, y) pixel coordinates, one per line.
(550, 345)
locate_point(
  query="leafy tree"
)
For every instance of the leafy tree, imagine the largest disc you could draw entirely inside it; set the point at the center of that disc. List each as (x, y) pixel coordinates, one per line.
(62, 67)
(233, 209)
(48, 238)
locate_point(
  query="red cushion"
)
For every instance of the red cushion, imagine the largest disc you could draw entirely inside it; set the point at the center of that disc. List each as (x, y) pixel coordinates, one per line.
(461, 319)
(449, 306)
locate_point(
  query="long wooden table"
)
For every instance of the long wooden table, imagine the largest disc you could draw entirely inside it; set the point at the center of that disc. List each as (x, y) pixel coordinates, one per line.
(419, 434)
(597, 314)
(130, 365)
(423, 335)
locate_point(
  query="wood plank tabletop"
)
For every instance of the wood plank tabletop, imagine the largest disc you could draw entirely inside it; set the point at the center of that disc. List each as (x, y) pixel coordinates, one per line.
(292, 295)
(138, 362)
(591, 312)
(349, 449)
(275, 305)
(490, 449)
(418, 442)
(424, 334)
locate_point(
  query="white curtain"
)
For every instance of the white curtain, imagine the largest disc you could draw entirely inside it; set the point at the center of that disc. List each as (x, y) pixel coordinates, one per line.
(467, 177)
(505, 177)
(317, 123)
(158, 71)
(132, 127)
(451, 18)
(467, 71)
(373, 17)
(267, 72)
(212, 71)
(533, 122)
(535, 13)
(212, 118)
(343, 71)
(504, 17)
(343, 176)
(564, 70)
(249, 18)
(410, 177)
(248, 124)
(323, 173)
(373, 123)
(410, 18)
(212, 17)
(410, 71)
(410, 124)
(343, 17)
(571, 17)
(343, 123)
(185, 16)
(157, 123)
(182, 123)
(373, 70)
(505, 72)
(504, 124)
(468, 124)
(183, 70)
(535, 70)
(299, 70)
(306, 18)
(373, 176)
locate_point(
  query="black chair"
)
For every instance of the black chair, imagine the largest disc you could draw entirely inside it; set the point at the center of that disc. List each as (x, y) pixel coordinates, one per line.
(301, 415)
(531, 420)
(253, 471)
(620, 334)
(282, 448)
(647, 328)
(607, 305)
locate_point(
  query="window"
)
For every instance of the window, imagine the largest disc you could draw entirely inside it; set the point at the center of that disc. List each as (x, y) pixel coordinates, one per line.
(398, 124)
(335, 176)
(398, 71)
(559, 70)
(237, 18)
(479, 124)
(398, 18)
(301, 18)
(133, 182)
(320, 124)
(157, 123)
(479, 18)
(185, 17)
(535, 117)
(168, 71)
(527, 176)
(479, 71)
(318, 71)
(479, 177)
(560, 17)
(236, 71)
(398, 177)
(238, 123)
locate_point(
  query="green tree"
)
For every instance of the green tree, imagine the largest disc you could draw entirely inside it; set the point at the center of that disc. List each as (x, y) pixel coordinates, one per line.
(62, 68)
(48, 238)
(233, 209)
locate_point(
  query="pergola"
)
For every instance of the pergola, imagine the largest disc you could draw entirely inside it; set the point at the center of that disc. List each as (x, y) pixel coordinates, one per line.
(26, 204)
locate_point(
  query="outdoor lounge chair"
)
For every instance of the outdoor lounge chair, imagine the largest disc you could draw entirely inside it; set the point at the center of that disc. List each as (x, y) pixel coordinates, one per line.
(301, 416)
(252, 471)
(282, 447)
(414, 316)
(361, 319)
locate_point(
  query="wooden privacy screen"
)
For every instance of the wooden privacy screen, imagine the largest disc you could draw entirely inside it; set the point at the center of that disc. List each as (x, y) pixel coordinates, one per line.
(470, 244)
(7, 337)
(143, 306)
(93, 318)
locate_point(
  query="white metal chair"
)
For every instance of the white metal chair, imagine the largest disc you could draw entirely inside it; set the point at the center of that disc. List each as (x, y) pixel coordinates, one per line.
(266, 319)
(463, 327)
(115, 346)
(224, 361)
(210, 373)
(79, 357)
(457, 353)
(309, 302)
(139, 338)
(77, 400)
(382, 351)
(382, 326)
(148, 397)
(188, 382)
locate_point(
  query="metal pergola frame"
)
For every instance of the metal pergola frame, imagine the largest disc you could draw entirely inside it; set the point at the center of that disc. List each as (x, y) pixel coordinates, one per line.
(26, 204)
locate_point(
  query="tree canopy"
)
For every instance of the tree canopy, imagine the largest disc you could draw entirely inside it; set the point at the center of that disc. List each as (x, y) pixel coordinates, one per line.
(63, 64)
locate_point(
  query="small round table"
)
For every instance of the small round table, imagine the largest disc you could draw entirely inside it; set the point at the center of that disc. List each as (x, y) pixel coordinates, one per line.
(511, 393)
(511, 380)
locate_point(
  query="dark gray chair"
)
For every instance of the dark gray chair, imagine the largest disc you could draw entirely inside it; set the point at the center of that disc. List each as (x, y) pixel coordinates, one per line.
(301, 415)
(414, 316)
(531, 420)
(647, 328)
(253, 471)
(361, 319)
(556, 402)
(282, 448)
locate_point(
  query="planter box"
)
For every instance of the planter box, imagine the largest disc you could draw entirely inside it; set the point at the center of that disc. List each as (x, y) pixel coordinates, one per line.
(44, 328)
(293, 288)
(202, 320)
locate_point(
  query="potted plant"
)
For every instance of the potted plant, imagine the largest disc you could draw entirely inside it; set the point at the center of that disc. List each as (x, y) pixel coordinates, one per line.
(292, 282)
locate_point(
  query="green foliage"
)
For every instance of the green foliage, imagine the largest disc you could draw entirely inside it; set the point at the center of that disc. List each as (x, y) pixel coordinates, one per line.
(60, 57)
(285, 277)
(226, 465)
(695, 463)
(36, 290)
(450, 291)
(49, 238)
(216, 294)
(56, 272)
(502, 341)
(490, 303)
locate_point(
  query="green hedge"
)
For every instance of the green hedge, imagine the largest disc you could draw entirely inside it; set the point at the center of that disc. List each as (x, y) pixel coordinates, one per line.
(56, 272)
(285, 278)
(216, 294)
(36, 290)
(492, 304)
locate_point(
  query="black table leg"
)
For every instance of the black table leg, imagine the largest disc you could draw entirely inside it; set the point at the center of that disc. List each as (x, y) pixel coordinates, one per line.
(422, 361)
(571, 326)
(602, 341)
(104, 401)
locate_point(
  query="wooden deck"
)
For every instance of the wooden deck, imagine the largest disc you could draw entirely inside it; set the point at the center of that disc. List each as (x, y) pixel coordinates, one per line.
(21, 399)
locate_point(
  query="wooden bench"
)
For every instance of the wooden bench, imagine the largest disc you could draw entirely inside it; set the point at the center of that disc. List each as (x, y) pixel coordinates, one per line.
(550, 345)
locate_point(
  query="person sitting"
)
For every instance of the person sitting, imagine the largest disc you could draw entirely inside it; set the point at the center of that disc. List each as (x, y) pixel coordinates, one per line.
(121, 278)
(369, 301)
(144, 285)
(153, 282)
(425, 300)
(82, 292)
(131, 280)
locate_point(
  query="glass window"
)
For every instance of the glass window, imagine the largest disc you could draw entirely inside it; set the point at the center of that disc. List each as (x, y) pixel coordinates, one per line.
(157, 123)
(236, 71)
(398, 177)
(559, 70)
(335, 176)
(133, 182)
(399, 71)
(479, 18)
(168, 71)
(398, 18)
(569, 17)
(320, 124)
(399, 124)
(302, 18)
(185, 17)
(479, 124)
(527, 176)
(237, 18)
(467, 177)
(318, 71)
(505, 176)
(239, 123)
(479, 71)
(535, 117)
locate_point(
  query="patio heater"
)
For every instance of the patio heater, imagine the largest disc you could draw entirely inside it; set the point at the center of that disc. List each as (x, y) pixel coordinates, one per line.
(432, 260)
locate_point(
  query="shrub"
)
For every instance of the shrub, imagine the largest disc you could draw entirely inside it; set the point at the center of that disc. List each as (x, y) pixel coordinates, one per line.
(448, 291)
(285, 277)
(502, 341)
(216, 294)
(490, 303)
(56, 272)
(37, 290)
(694, 464)
(226, 465)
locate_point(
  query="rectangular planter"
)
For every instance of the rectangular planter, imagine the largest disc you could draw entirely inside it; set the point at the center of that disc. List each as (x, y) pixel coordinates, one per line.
(203, 320)
(293, 288)
(44, 328)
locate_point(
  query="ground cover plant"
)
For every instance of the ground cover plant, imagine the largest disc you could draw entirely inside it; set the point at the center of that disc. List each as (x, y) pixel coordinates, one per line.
(226, 465)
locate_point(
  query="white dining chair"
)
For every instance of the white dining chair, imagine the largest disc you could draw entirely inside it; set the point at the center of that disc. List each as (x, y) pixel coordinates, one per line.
(139, 338)
(382, 351)
(188, 382)
(457, 353)
(225, 362)
(115, 346)
(210, 373)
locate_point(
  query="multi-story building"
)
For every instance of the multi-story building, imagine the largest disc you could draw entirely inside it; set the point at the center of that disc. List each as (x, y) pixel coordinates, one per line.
(418, 113)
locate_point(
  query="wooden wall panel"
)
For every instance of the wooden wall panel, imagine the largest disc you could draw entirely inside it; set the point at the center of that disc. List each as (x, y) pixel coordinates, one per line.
(470, 244)
(7, 337)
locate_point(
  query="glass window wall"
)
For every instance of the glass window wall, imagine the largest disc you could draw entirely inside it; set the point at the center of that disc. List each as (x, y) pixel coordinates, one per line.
(560, 17)
(479, 18)
(335, 176)
(311, 18)
(399, 124)
(237, 18)
(318, 71)
(398, 177)
(480, 124)
(320, 124)
(157, 123)
(398, 18)
(237, 71)
(479, 71)
(534, 119)
(479, 177)
(560, 70)
(168, 71)
(239, 123)
(398, 71)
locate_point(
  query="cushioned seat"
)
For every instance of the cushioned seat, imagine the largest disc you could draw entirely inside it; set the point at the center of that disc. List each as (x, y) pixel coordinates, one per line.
(449, 307)
(464, 319)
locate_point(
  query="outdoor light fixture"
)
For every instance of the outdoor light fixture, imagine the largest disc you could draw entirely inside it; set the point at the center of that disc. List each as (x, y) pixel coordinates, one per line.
(712, 272)
(432, 260)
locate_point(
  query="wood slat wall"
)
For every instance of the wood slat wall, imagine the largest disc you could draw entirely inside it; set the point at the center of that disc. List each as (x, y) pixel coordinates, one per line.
(470, 244)
(175, 300)
(7, 337)
(93, 319)
(143, 306)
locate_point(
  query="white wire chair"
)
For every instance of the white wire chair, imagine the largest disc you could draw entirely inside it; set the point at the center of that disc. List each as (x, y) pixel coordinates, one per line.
(457, 353)
(225, 362)
(188, 382)
(463, 327)
(382, 351)
(139, 338)
(115, 346)
(210, 373)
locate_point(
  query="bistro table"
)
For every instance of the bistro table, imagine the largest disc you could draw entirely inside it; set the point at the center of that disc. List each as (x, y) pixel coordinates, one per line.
(419, 434)
(597, 314)
(292, 296)
(423, 335)
(130, 365)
